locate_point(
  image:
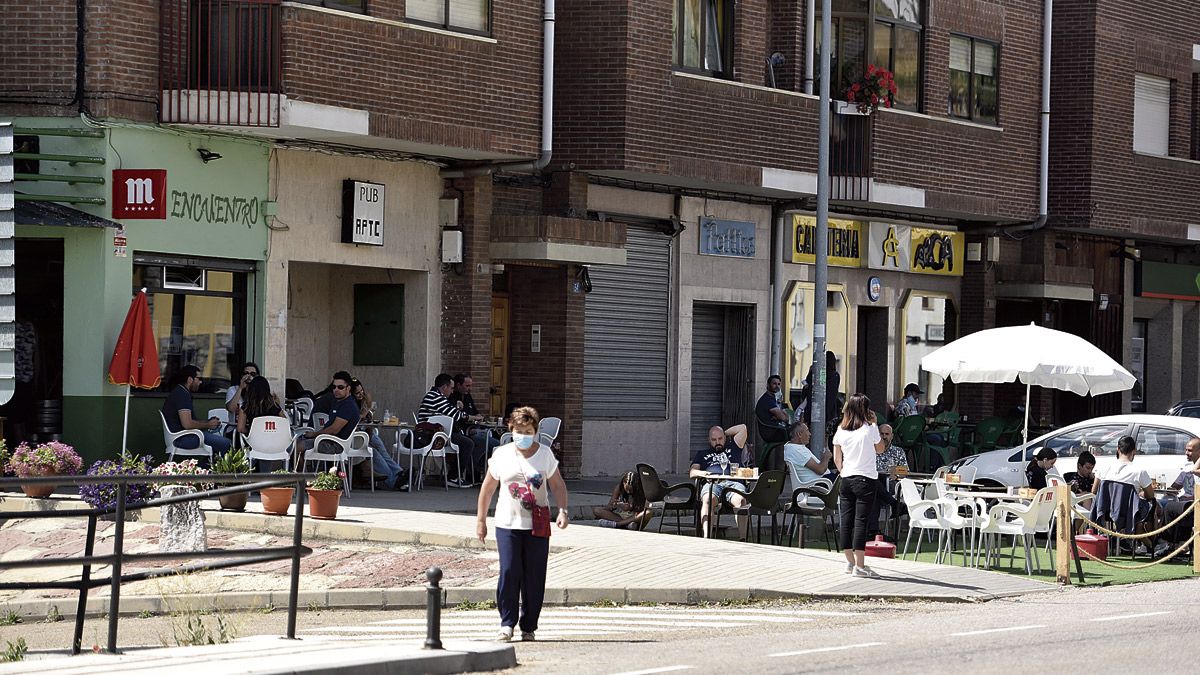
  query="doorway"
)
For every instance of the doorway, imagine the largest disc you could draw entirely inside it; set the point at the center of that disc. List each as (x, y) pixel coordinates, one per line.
(872, 370)
(499, 372)
(722, 369)
(35, 411)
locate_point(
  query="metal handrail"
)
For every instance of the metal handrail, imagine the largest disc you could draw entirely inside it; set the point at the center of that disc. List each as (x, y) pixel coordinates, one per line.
(236, 557)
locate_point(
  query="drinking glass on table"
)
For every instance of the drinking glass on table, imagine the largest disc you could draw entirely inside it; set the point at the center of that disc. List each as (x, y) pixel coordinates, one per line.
(724, 462)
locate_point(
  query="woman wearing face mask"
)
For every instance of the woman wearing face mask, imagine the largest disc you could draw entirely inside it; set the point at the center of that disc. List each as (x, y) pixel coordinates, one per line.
(523, 469)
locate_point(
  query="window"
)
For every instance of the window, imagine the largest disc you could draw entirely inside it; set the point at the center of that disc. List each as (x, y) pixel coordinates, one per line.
(798, 338)
(1151, 114)
(974, 79)
(929, 322)
(893, 42)
(468, 16)
(704, 36)
(356, 6)
(378, 324)
(198, 312)
(1101, 441)
(1159, 441)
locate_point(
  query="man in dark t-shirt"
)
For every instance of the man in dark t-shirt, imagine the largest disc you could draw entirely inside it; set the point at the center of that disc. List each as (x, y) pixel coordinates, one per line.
(771, 417)
(724, 448)
(177, 411)
(343, 414)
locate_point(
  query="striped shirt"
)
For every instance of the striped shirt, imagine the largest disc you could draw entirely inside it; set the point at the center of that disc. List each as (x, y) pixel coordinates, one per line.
(436, 404)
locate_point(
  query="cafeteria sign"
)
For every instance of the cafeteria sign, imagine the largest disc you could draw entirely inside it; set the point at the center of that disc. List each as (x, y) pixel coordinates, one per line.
(903, 248)
(845, 241)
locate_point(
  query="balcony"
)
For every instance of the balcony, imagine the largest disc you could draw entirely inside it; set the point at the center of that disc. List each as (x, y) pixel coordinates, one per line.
(558, 240)
(849, 155)
(219, 62)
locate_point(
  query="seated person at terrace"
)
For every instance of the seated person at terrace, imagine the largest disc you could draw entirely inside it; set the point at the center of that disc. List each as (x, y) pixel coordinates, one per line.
(1035, 471)
(805, 466)
(462, 399)
(343, 415)
(1185, 482)
(436, 402)
(258, 401)
(234, 394)
(1084, 480)
(177, 411)
(1124, 471)
(382, 462)
(724, 448)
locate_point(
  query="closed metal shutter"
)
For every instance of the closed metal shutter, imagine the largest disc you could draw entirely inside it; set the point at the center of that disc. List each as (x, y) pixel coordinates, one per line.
(708, 371)
(626, 329)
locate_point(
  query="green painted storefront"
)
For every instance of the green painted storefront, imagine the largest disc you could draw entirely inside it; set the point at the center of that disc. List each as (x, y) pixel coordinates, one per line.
(98, 283)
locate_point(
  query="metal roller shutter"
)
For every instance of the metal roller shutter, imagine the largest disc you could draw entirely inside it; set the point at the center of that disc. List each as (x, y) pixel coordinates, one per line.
(708, 371)
(626, 329)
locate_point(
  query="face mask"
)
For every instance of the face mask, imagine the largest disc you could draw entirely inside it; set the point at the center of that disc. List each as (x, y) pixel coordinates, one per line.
(523, 441)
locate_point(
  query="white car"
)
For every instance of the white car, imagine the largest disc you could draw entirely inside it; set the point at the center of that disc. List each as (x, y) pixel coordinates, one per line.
(1160, 448)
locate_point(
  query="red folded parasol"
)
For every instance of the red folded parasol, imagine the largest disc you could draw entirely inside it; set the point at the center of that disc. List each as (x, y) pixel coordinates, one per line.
(135, 359)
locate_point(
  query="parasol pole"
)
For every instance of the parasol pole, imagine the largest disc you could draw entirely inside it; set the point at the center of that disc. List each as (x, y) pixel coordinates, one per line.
(1025, 430)
(125, 427)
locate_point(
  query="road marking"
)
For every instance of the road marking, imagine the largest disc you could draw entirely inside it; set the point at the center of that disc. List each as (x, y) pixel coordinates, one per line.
(997, 630)
(650, 671)
(829, 649)
(1129, 616)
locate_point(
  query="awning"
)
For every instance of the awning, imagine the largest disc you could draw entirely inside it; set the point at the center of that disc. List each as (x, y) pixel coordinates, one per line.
(57, 215)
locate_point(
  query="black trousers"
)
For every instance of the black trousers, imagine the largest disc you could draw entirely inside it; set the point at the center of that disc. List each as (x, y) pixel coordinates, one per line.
(882, 499)
(855, 507)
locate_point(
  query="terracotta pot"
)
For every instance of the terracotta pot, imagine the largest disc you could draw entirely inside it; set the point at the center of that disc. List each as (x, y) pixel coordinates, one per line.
(40, 491)
(276, 500)
(323, 503)
(234, 502)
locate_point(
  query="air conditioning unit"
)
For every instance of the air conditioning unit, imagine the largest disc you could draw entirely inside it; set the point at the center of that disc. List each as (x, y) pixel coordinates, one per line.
(452, 246)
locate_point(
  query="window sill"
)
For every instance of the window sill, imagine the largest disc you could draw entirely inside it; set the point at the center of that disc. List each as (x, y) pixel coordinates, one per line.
(948, 120)
(388, 22)
(743, 85)
(1169, 158)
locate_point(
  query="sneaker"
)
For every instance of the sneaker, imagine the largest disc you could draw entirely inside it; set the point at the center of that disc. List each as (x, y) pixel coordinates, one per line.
(454, 482)
(506, 633)
(865, 573)
(401, 487)
(605, 522)
(1142, 550)
(849, 568)
(527, 636)
(1162, 549)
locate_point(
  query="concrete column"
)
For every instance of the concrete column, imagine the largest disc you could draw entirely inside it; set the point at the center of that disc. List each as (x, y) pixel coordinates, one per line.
(1189, 365)
(275, 336)
(1127, 327)
(1163, 357)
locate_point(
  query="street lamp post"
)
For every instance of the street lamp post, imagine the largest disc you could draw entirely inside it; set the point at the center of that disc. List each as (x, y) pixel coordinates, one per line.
(821, 242)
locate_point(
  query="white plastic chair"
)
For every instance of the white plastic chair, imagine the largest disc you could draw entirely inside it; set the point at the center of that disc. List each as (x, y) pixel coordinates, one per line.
(919, 517)
(549, 427)
(967, 474)
(222, 415)
(319, 420)
(169, 437)
(954, 519)
(270, 440)
(360, 450)
(435, 449)
(447, 424)
(1020, 520)
(302, 410)
(340, 458)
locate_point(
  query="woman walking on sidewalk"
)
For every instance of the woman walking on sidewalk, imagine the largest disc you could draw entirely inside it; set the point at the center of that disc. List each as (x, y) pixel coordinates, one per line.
(525, 468)
(855, 446)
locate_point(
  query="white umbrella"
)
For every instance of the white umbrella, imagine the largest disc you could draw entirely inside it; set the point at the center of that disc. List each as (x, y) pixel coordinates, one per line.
(1034, 355)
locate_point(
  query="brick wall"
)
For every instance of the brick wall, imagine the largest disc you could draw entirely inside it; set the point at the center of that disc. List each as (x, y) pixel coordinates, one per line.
(466, 316)
(37, 54)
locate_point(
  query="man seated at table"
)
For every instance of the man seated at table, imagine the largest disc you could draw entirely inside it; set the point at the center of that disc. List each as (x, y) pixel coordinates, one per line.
(1124, 471)
(1083, 480)
(481, 436)
(803, 465)
(884, 464)
(910, 404)
(1185, 482)
(437, 402)
(177, 411)
(233, 395)
(343, 415)
(724, 447)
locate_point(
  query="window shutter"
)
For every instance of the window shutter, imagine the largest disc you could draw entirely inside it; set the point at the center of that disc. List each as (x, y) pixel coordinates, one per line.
(1151, 114)
(433, 11)
(960, 54)
(626, 328)
(985, 59)
(469, 14)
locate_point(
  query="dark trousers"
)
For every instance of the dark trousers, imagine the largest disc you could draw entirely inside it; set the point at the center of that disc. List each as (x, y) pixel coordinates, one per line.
(522, 577)
(882, 499)
(855, 507)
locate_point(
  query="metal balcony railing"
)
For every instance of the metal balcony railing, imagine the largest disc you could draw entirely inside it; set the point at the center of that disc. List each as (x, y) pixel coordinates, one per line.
(850, 157)
(219, 62)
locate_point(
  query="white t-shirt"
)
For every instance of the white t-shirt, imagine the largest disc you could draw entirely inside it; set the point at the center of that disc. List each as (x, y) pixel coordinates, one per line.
(230, 393)
(1127, 472)
(798, 457)
(521, 479)
(858, 450)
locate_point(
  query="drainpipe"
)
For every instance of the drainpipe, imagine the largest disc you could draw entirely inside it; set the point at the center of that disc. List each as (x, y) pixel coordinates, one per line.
(547, 110)
(810, 24)
(777, 223)
(1044, 145)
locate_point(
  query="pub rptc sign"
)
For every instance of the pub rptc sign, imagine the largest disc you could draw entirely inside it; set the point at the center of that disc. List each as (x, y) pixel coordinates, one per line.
(362, 212)
(139, 194)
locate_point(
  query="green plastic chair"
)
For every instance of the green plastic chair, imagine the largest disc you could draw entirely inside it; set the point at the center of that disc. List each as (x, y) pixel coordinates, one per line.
(910, 434)
(946, 424)
(987, 435)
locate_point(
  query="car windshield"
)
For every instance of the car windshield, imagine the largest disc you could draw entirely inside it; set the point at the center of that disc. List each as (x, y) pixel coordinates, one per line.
(1099, 440)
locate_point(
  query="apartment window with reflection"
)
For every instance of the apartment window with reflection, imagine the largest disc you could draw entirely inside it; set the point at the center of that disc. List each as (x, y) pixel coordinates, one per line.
(704, 36)
(884, 33)
(974, 79)
(199, 317)
(468, 16)
(356, 6)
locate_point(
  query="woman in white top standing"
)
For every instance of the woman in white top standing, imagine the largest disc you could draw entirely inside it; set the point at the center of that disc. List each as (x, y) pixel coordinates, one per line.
(525, 468)
(855, 446)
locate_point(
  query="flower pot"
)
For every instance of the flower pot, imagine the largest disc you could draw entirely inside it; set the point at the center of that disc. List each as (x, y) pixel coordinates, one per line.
(323, 503)
(234, 502)
(276, 500)
(40, 491)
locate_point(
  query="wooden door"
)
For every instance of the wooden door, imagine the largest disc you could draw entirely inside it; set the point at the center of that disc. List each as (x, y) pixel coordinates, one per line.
(499, 390)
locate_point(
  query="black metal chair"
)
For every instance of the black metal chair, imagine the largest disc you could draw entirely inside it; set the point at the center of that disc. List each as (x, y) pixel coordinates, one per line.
(658, 492)
(762, 500)
(798, 507)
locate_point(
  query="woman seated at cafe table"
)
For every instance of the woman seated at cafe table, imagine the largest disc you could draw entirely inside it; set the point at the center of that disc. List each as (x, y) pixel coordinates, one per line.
(1035, 471)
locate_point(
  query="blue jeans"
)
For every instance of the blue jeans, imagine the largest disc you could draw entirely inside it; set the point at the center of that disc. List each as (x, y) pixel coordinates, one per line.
(522, 585)
(383, 463)
(217, 442)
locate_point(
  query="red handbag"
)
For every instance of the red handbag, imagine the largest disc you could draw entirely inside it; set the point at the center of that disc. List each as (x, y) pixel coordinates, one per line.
(541, 522)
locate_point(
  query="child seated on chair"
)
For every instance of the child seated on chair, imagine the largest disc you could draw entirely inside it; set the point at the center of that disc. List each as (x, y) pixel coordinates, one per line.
(627, 506)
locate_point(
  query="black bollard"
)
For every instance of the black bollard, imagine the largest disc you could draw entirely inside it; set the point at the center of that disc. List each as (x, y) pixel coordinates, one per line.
(433, 609)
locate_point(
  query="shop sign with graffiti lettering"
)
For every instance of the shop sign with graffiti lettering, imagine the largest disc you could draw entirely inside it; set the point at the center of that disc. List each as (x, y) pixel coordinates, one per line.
(903, 248)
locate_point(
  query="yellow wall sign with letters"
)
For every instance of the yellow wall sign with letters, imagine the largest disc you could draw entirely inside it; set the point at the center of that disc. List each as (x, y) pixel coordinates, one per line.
(937, 252)
(845, 241)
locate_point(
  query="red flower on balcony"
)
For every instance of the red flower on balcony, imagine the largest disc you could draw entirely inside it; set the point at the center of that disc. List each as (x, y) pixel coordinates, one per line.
(876, 87)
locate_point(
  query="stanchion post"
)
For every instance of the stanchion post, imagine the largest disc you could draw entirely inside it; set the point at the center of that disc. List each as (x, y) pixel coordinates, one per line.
(1195, 525)
(1062, 549)
(433, 609)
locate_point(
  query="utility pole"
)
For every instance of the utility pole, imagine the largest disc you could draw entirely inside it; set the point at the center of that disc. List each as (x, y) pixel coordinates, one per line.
(817, 397)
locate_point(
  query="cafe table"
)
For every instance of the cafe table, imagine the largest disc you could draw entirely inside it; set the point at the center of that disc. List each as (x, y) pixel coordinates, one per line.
(395, 426)
(713, 478)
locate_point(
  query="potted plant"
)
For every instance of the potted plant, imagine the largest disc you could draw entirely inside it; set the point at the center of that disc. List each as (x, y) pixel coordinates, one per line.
(877, 87)
(234, 462)
(277, 500)
(104, 495)
(324, 493)
(182, 522)
(48, 459)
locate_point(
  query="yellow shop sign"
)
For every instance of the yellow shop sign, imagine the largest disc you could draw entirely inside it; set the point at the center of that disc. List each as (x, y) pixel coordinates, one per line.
(937, 252)
(845, 241)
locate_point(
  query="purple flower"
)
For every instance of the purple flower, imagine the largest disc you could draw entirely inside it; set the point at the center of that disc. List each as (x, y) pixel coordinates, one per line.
(104, 495)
